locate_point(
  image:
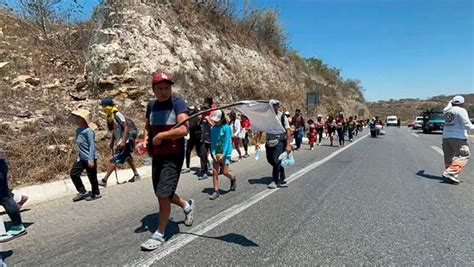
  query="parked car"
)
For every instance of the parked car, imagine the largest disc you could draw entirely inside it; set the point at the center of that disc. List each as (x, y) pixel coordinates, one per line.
(418, 124)
(392, 121)
(411, 123)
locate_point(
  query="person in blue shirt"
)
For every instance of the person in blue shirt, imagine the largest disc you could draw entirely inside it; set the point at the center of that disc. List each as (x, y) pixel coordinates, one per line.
(221, 152)
(87, 158)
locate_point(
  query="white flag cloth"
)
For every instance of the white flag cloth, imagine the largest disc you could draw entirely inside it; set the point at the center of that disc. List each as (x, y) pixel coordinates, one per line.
(262, 116)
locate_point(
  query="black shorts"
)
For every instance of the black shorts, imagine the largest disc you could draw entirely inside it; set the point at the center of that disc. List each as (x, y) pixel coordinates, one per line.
(122, 155)
(165, 175)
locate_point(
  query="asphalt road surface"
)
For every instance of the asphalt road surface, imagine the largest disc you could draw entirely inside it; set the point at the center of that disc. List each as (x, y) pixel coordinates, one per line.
(375, 201)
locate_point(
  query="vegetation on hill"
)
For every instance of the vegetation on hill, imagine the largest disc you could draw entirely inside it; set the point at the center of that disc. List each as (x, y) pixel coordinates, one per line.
(407, 109)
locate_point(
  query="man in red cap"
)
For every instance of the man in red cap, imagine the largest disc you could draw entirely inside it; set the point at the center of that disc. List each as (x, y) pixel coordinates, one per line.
(166, 147)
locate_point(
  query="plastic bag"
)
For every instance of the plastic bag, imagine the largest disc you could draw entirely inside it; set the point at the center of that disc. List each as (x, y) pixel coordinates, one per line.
(287, 159)
(140, 147)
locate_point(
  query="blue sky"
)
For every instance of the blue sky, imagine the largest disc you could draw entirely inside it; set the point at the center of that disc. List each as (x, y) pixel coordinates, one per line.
(398, 49)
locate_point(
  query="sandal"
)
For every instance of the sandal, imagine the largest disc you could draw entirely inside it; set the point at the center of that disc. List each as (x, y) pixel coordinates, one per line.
(153, 243)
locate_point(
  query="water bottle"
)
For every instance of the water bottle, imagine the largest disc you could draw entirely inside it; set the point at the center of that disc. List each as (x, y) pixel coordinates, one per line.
(257, 153)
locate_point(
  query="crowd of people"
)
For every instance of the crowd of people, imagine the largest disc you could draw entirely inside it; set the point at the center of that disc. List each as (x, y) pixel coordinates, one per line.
(175, 129)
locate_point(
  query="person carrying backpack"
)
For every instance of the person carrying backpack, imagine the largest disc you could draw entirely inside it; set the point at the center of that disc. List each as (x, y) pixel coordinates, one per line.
(122, 144)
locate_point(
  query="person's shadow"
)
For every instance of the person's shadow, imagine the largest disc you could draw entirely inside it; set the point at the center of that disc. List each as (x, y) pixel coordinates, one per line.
(149, 223)
(21, 211)
(6, 254)
(261, 180)
(422, 173)
(229, 238)
(210, 190)
(8, 225)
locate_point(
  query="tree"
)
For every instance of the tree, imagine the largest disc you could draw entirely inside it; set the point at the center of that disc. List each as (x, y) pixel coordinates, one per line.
(41, 12)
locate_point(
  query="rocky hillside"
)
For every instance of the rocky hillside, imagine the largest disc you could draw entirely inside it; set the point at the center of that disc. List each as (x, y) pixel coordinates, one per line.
(408, 108)
(114, 55)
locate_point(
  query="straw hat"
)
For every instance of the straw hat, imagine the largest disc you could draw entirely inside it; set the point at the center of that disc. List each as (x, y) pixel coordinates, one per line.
(85, 114)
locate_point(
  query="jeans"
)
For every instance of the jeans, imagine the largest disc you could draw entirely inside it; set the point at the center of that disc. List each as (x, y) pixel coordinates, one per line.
(203, 156)
(299, 137)
(351, 133)
(77, 168)
(320, 133)
(245, 142)
(340, 133)
(278, 172)
(191, 144)
(6, 198)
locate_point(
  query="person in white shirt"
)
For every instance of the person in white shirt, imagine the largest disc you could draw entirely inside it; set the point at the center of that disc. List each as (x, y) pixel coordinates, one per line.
(455, 140)
(236, 132)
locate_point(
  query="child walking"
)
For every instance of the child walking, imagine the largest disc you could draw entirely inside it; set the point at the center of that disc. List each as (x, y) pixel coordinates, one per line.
(87, 158)
(311, 134)
(221, 151)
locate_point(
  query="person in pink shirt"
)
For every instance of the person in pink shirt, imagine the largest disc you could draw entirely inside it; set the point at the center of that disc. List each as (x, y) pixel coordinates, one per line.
(246, 126)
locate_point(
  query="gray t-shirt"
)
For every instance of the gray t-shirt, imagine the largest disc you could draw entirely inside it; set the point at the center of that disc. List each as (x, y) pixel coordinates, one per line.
(286, 125)
(119, 127)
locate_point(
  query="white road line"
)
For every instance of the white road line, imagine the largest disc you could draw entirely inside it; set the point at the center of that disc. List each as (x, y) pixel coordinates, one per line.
(437, 149)
(415, 134)
(211, 223)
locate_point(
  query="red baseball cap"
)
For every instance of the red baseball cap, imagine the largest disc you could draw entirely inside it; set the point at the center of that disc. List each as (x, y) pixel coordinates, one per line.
(162, 76)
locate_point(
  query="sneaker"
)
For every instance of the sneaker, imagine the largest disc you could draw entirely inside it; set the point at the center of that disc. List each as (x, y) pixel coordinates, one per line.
(186, 170)
(233, 184)
(272, 185)
(312, 148)
(240, 159)
(93, 197)
(214, 195)
(80, 196)
(136, 177)
(14, 232)
(189, 217)
(246, 155)
(102, 183)
(202, 176)
(453, 180)
(22, 201)
(283, 184)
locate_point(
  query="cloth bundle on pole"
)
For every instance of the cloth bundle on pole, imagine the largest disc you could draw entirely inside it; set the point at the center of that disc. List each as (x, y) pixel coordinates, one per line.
(262, 115)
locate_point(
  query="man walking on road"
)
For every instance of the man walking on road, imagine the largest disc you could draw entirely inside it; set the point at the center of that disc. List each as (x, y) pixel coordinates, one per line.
(299, 123)
(455, 140)
(276, 144)
(122, 144)
(166, 145)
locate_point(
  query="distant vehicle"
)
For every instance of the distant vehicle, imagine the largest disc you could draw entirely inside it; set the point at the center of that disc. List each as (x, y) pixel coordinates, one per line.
(433, 120)
(418, 124)
(411, 123)
(392, 121)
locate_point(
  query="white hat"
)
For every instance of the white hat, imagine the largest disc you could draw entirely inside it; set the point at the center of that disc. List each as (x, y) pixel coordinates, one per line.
(217, 116)
(84, 114)
(287, 113)
(274, 102)
(458, 100)
(320, 116)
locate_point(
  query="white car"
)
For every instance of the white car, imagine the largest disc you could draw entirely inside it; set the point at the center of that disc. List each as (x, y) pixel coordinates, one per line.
(392, 121)
(418, 122)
